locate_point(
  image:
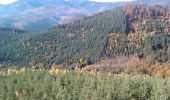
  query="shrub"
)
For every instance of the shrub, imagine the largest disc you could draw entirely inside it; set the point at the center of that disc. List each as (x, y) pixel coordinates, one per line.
(75, 85)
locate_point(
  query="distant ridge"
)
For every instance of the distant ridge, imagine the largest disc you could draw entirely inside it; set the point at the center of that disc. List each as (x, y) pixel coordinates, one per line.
(41, 14)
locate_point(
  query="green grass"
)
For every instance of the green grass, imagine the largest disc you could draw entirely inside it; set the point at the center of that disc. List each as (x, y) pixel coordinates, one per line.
(74, 85)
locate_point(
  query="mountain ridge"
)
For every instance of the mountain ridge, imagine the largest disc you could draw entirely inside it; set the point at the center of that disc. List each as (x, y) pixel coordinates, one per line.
(24, 14)
(42, 14)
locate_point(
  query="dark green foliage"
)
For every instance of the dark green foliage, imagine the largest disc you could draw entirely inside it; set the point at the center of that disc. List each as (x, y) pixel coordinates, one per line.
(68, 43)
(8, 42)
(156, 47)
(89, 38)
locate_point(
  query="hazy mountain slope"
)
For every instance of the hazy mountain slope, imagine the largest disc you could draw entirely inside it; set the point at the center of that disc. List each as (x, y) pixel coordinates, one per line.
(155, 2)
(40, 14)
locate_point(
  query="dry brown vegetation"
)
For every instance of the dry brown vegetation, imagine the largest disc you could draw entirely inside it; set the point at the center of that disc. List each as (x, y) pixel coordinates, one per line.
(128, 65)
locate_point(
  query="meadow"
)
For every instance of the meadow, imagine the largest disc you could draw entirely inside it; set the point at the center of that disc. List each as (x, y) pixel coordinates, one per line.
(57, 84)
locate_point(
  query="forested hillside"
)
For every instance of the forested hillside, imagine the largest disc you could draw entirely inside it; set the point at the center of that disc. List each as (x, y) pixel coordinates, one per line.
(132, 30)
(147, 33)
(9, 41)
(83, 39)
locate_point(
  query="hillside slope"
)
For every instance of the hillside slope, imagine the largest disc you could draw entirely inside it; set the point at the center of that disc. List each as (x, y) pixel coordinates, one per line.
(68, 43)
(124, 31)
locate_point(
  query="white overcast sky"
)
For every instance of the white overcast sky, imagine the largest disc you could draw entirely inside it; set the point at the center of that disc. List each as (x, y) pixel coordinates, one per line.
(11, 1)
